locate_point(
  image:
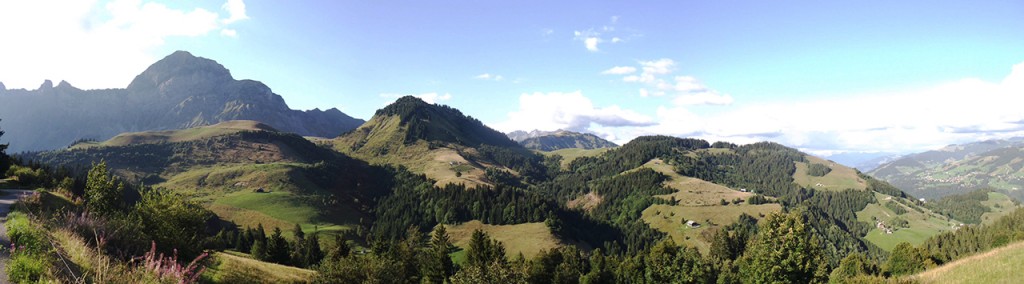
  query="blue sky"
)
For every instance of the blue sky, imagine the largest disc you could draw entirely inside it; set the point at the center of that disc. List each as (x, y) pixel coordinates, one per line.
(823, 77)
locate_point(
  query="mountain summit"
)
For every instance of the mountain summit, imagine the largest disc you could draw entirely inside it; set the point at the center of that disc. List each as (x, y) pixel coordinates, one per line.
(179, 91)
(435, 140)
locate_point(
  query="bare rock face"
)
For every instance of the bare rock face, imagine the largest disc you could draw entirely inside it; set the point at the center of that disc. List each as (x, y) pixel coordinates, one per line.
(179, 91)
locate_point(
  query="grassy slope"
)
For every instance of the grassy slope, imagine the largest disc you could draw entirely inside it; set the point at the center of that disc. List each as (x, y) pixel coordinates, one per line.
(171, 136)
(227, 188)
(1001, 265)
(699, 201)
(378, 139)
(570, 154)
(528, 239)
(231, 267)
(999, 205)
(228, 191)
(921, 225)
(840, 178)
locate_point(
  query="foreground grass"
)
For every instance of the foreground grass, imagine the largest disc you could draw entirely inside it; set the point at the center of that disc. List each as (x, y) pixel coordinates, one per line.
(231, 267)
(1001, 265)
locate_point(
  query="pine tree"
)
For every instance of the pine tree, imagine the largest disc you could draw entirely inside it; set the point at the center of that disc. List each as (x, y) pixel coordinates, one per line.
(259, 244)
(312, 254)
(298, 248)
(277, 248)
(785, 251)
(340, 249)
(437, 265)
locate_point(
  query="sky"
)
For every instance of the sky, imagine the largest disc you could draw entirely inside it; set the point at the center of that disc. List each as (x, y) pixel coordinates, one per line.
(827, 78)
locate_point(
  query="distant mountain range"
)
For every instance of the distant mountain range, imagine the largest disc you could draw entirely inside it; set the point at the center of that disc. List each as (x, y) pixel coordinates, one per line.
(179, 91)
(954, 169)
(559, 139)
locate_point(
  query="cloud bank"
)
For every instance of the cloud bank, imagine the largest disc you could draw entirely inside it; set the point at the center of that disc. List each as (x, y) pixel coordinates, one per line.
(70, 43)
(961, 111)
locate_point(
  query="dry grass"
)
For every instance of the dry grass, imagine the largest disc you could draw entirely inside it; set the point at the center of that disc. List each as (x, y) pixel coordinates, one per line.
(693, 191)
(171, 136)
(528, 238)
(248, 218)
(840, 178)
(570, 154)
(231, 268)
(1001, 265)
(586, 202)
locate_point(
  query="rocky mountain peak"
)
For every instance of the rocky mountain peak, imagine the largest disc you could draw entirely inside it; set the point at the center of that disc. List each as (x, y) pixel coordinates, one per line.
(181, 66)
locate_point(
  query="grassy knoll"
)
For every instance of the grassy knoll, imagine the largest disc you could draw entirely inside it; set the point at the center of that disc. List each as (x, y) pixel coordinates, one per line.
(699, 201)
(379, 142)
(229, 267)
(920, 225)
(840, 178)
(570, 154)
(528, 239)
(1000, 265)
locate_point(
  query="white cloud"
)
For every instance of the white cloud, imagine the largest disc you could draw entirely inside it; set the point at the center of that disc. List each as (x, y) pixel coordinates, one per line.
(687, 90)
(488, 76)
(703, 98)
(229, 33)
(71, 42)
(430, 98)
(957, 112)
(593, 37)
(236, 11)
(572, 111)
(591, 43)
(620, 70)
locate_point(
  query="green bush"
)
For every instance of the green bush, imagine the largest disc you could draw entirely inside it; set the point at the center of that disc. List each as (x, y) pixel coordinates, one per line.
(23, 235)
(27, 268)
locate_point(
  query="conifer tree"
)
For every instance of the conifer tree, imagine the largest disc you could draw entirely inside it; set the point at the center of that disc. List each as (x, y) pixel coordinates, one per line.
(437, 265)
(277, 248)
(785, 250)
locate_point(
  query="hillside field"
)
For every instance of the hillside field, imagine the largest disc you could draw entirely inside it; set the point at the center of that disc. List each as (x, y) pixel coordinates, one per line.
(920, 225)
(699, 201)
(1000, 265)
(528, 238)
